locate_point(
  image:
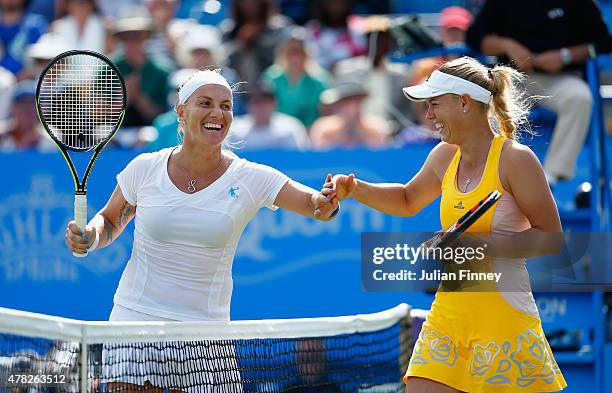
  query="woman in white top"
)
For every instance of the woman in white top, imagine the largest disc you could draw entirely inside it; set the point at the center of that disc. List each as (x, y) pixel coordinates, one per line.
(82, 27)
(192, 203)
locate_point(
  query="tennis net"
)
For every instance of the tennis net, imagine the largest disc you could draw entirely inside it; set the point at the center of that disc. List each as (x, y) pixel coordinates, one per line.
(361, 353)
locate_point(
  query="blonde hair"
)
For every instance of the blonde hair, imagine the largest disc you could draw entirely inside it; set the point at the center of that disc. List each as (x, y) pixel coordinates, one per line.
(510, 107)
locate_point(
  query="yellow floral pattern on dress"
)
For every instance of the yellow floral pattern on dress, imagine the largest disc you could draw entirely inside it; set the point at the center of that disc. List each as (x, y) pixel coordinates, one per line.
(520, 362)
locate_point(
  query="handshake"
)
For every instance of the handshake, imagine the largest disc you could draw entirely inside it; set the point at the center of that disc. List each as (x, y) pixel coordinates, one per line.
(334, 190)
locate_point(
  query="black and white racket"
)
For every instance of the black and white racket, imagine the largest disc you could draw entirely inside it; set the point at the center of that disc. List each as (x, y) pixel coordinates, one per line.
(449, 235)
(80, 100)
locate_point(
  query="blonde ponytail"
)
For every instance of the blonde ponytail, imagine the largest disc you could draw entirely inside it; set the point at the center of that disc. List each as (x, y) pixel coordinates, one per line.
(510, 109)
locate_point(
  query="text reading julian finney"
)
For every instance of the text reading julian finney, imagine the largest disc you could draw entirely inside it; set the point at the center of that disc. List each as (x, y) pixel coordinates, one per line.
(411, 255)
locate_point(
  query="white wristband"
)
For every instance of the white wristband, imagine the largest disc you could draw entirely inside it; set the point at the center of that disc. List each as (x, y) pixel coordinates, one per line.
(94, 245)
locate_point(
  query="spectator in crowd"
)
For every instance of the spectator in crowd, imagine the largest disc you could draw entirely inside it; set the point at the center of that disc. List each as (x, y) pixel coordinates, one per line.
(199, 47)
(40, 53)
(423, 129)
(17, 30)
(265, 128)
(551, 43)
(166, 124)
(7, 85)
(348, 126)
(251, 38)
(161, 44)
(454, 23)
(45, 8)
(81, 27)
(146, 81)
(329, 35)
(380, 77)
(112, 9)
(297, 81)
(24, 130)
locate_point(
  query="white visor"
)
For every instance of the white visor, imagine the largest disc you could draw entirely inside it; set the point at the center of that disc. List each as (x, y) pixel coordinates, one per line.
(199, 79)
(440, 83)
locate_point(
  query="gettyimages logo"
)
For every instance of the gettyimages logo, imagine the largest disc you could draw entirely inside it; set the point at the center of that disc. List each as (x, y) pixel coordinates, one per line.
(32, 229)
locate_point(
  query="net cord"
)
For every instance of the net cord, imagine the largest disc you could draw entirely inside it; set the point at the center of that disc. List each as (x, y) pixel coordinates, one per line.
(88, 332)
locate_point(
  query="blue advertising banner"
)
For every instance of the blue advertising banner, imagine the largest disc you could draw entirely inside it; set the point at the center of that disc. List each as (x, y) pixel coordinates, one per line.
(286, 265)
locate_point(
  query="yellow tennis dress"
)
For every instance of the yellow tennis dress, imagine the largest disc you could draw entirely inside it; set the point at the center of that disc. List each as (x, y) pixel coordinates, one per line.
(486, 341)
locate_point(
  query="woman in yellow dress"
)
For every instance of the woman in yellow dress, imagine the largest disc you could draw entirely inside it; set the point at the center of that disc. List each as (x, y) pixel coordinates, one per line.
(475, 340)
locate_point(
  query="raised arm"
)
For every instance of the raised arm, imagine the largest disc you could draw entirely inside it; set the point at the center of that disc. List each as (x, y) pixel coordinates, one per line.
(400, 199)
(107, 224)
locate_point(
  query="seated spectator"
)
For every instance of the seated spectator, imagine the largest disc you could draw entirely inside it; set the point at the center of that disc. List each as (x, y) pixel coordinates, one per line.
(166, 124)
(423, 129)
(348, 126)
(146, 81)
(329, 37)
(198, 47)
(161, 45)
(24, 131)
(251, 37)
(454, 23)
(265, 128)
(551, 43)
(40, 53)
(18, 29)
(112, 9)
(297, 80)
(81, 27)
(380, 77)
(7, 85)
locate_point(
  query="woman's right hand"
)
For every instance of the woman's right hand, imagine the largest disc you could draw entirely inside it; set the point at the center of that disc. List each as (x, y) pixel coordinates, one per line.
(344, 185)
(75, 240)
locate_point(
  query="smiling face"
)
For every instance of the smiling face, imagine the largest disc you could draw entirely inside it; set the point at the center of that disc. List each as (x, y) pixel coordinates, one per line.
(446, 114)
(207, 114)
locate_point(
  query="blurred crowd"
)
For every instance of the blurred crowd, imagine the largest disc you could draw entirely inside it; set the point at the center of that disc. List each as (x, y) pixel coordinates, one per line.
(317, 79)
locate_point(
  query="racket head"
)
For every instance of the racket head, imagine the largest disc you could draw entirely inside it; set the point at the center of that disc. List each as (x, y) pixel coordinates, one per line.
(81, 100)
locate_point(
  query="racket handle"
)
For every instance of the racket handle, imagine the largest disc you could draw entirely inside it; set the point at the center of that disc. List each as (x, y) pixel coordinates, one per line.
(80, 216)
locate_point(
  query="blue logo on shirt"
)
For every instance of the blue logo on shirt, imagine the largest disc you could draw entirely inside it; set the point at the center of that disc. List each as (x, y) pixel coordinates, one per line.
(232, 192)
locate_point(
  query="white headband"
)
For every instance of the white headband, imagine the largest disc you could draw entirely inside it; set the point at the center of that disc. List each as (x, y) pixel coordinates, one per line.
(206, 77)
(440, 83)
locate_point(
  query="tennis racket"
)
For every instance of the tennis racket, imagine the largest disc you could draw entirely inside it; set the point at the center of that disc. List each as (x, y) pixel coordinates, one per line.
(80, 100)
(448, 236)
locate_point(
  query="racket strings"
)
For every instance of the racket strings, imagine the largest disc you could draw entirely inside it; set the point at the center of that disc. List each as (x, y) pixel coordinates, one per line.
(81, 100)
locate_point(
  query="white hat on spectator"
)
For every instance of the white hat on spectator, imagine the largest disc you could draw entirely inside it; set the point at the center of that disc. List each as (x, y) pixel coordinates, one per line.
(203, 37)
(134, 18)
(47, 47)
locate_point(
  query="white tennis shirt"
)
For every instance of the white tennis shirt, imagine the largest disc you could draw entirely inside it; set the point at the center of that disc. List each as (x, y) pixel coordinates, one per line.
(184, 244)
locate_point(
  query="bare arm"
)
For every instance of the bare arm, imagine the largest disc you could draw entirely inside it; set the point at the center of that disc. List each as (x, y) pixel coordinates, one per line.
(496, 45)
(304, 200)
(109, 223)
(400, 199)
